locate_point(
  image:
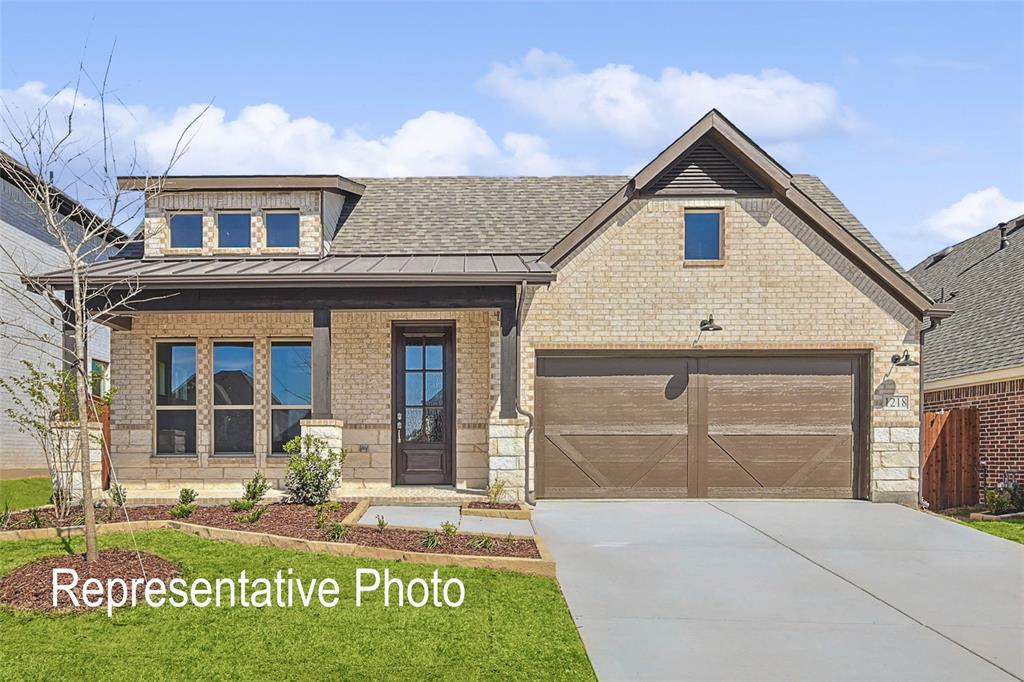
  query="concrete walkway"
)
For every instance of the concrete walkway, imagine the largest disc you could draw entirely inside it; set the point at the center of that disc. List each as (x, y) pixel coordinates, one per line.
(420, 516)
(779, 590)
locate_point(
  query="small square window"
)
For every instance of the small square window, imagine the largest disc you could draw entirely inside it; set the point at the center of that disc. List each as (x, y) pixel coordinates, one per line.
(234, 230)
(187, 231)
(283, 230)
(702, 238)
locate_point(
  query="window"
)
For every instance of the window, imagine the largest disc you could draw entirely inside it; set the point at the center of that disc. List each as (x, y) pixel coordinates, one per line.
(234, 230)
(175, 398)
(187, 231)
(702, 238)
(283, 230)
(291, 390)
(233, 390)
(100, 377)
(424, 390)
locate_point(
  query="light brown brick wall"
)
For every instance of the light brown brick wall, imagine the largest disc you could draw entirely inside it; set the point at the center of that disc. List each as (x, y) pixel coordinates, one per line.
(361, 388)
(159, 208)
(629, 289)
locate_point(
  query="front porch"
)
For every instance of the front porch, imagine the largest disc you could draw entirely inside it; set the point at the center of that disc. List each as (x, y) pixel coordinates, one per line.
(355, 393)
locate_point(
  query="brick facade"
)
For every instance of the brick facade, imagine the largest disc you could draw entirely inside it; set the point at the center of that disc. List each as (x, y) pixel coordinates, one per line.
(1000, 425)
(779, 288)
(308, 203)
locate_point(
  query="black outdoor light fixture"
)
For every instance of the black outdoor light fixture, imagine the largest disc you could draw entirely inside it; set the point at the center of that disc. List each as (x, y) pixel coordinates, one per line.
(709, 325)
(904, 360)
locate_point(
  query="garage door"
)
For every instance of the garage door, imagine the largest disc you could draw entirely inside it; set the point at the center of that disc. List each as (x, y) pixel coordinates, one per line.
(696, 427)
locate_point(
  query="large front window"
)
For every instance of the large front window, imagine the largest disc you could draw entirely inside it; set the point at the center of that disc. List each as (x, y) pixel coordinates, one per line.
(282, 229)
(234, 230)
(291, 390)
(175, 398)
(187, 231)
(233, 391)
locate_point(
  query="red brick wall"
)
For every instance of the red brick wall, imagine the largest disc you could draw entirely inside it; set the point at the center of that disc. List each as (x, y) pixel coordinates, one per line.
(1001, 424)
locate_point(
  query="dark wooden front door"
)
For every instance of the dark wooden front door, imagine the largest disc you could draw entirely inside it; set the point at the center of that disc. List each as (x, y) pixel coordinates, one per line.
(423, 403)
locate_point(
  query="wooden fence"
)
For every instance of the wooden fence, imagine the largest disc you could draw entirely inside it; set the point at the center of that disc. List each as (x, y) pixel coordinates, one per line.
(950, 472)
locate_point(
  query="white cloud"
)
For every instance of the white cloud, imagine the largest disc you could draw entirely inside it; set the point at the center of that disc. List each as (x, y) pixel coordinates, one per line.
(266, 138)
(772, 106)
(975, 212)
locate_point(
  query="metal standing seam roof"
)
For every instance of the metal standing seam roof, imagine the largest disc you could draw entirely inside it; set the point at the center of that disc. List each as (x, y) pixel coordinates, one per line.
(985, 284)
(205, 272)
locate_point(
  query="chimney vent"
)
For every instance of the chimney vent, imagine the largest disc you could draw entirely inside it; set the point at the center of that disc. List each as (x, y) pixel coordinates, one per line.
(1003, 241)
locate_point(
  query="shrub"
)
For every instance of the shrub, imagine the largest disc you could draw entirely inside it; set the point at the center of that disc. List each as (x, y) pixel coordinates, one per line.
(182, 510)
(241, 505)
(187, 496)
(496, 491)
(324, 511)
(34, 520)
(449, 529)
(253, 516)
(430, 540)
(336, 532)
(5, 516)
(997, 501)
(481, 542)
(256, 487)
(313, 469)
(118, 495)
(1016, 492)
(381, 523)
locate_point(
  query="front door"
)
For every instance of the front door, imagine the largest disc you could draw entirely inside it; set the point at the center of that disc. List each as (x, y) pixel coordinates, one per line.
(423, 403)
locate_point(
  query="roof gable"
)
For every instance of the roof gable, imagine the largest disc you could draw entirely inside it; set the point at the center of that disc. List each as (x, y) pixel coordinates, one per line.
(718, 131)
(705, 169)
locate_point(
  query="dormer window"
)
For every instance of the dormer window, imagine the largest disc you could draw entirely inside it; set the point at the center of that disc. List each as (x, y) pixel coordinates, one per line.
(234, 230)
(186, 231)
(282, 229)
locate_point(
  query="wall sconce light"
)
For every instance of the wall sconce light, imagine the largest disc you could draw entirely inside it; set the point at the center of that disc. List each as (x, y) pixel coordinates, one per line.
(904, 361)
(709, 325)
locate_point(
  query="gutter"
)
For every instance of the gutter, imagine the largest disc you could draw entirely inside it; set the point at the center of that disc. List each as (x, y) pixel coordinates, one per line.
(527, 493)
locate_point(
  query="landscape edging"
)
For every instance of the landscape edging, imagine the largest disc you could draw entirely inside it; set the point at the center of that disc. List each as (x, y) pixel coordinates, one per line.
(522, 514)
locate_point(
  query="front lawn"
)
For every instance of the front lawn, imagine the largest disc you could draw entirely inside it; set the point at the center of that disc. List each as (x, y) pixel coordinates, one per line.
(1011, 529)
(22, 493)
(510, 626)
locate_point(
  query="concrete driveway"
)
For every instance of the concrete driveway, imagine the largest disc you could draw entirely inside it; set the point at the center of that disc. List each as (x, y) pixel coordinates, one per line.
(779, 590)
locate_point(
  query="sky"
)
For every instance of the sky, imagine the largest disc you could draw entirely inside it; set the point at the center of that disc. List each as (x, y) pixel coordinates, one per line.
(912, 113)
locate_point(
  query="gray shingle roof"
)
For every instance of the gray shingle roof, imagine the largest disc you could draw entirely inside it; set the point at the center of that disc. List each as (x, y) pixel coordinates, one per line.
(468, 214)
(986, 287)
(820, 194)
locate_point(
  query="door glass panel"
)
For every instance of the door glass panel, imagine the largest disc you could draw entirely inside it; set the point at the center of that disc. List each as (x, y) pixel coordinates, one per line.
(433, 425)
(435, 356)
(413, 388)
(414, 424)
(414, 356)
(435, 388)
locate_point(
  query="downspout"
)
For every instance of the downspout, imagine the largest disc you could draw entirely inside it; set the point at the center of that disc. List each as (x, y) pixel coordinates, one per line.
(527, 493)
(934, 322)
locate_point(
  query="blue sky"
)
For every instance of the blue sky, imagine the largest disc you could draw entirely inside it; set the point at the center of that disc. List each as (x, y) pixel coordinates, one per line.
(912, 113)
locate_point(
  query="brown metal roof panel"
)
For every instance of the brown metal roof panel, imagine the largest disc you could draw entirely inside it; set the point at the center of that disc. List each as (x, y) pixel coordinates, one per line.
(360, 264)
(391, 264)
(450, 264)
(506, 263)
(421, 264)
(480, 264)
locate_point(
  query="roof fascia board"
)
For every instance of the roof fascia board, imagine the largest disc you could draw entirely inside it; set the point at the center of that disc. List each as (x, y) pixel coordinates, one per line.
(62, 281)
(186, 183)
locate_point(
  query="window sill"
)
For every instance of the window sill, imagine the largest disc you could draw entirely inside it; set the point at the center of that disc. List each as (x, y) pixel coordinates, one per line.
(704, 263)
(161, 457)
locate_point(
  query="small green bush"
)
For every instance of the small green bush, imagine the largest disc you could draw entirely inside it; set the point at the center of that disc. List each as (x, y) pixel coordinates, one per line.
(256, 487)
(430, 540)
(481, 542)
(382, 523)
(449, 529)
(187, 496)
(1016, 492)
(313, 469)
(997, 501)
(183, 510)
(5, 516)
(324, 511)
(336, 532)
(253, 516)
(118, 495)
(241, 505)
(496, 491)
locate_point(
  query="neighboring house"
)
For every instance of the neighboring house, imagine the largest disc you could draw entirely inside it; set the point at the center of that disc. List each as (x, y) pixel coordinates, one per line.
(420, 321)
(26, 241)
(976, 359)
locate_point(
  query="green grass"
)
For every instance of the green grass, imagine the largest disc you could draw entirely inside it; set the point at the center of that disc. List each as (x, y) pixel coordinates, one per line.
(21, 493)
(1010, 529)
(510, 626)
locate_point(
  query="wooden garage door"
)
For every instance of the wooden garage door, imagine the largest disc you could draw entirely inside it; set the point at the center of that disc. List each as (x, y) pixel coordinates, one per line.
(695, 427)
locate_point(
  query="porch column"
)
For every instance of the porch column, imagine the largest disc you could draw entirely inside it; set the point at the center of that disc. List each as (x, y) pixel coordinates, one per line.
(68, 334)
(509, 361)
(321, 354)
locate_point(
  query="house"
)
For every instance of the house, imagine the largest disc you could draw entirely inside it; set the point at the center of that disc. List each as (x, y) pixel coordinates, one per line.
(29, 336)
(976, 359)
(712, 326)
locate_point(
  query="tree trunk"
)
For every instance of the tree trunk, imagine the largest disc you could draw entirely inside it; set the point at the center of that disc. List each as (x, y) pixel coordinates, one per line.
(82, 394)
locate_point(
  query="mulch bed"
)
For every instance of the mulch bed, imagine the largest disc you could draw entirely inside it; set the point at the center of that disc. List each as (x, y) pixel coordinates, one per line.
(412, 541)
(493, 505)
(30, 586)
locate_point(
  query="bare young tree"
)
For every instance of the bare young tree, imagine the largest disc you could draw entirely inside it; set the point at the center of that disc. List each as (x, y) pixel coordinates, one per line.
(50, 159)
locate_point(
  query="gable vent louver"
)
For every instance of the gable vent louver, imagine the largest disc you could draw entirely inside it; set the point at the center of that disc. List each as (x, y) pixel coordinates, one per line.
(705, 170)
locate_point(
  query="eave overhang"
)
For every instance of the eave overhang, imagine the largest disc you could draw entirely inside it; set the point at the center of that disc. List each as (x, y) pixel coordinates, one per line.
(235, 183)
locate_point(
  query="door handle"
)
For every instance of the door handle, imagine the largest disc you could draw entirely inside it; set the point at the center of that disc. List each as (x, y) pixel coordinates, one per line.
(398, 425)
